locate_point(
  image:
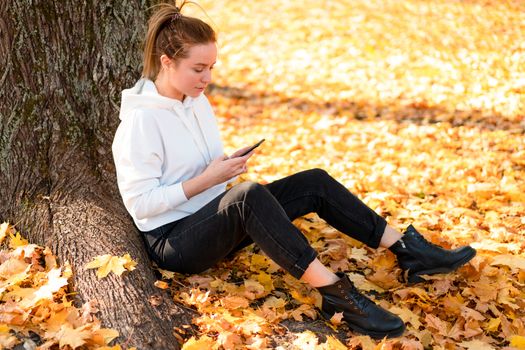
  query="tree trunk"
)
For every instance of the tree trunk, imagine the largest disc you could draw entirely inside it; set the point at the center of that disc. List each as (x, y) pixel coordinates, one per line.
(63, 67)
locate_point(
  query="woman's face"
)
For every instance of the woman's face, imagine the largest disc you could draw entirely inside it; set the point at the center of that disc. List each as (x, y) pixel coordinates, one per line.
(189, 76)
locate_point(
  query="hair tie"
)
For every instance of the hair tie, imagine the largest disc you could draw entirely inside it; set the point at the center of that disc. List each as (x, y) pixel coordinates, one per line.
(176, 16)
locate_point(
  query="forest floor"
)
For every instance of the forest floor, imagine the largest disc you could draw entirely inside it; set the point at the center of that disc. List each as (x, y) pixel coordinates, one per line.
(418, 108)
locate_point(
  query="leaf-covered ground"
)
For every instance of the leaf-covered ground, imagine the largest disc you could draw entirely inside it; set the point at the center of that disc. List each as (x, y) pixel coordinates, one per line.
(418, 107)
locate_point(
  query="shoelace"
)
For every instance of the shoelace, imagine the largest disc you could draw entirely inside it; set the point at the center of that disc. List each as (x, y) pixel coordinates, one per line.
(421, 239)
(361, 300)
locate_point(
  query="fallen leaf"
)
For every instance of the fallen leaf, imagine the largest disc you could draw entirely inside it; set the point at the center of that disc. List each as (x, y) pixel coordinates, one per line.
(161, 284)
(517, 341)
(72, 337)
(336, 318)
(109, 263)
(203, 343)
(513, 261)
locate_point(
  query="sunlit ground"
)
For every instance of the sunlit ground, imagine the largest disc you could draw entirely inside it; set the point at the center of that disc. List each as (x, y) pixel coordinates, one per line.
(418, 108)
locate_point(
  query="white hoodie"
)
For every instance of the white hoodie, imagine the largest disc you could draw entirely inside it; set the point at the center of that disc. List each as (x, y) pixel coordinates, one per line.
(159, 144)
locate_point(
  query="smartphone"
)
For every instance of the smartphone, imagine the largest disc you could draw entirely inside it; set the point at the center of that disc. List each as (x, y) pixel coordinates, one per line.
(251, 148)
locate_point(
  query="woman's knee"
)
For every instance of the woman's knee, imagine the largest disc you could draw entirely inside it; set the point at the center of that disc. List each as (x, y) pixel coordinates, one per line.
(248, 190)
(315, 176)
(317, 173)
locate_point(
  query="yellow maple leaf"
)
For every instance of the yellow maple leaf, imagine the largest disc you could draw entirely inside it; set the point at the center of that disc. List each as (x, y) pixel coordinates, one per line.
(203, 343)
(266, 280)
(130, 264)
(517, 341)
(333, 343)
(258, 262)
(109, 263)
(492, 325)
(16, 240)
(311, 299)
(274, 303)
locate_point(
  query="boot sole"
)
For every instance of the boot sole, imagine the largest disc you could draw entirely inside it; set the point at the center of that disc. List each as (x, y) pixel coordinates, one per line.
(373, 334)
(413, 279)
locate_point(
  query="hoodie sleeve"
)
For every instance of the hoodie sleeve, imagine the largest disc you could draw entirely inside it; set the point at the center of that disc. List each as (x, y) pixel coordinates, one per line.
(138, 153)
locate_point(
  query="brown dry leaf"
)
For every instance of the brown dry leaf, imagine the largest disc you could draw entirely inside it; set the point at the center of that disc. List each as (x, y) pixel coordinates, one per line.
(513, 261)
(254, 290)
(363, 284)
(234, 302)
(155, 300)
(476, 345)
(437, 324)
(161, 284)
(336, 318)
(229, 340)
(385, 279)
(304, 309)
(363, 341)
(406, 315)
(72, 337)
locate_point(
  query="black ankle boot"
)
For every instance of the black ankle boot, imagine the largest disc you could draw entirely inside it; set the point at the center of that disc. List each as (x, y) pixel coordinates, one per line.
(361, 313)
(420, 257)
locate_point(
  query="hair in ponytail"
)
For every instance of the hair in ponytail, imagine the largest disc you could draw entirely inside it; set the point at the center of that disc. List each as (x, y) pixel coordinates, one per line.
(173, 34)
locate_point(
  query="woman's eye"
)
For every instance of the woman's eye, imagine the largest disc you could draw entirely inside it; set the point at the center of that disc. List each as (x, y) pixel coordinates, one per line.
(198, 70)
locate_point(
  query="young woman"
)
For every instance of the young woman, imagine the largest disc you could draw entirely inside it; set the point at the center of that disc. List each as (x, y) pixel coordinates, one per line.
(172, 174)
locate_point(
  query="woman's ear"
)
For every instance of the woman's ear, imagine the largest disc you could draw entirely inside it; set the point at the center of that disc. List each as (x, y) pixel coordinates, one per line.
(165, 61)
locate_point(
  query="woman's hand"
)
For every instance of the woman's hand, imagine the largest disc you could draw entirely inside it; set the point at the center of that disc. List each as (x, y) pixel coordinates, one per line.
(224, 168)
(218, 171)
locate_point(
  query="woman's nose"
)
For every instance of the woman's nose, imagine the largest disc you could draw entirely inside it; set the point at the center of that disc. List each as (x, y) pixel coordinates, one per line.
(206, 77)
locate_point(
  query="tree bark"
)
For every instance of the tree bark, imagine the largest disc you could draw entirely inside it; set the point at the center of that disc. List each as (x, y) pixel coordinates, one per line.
(63, 67)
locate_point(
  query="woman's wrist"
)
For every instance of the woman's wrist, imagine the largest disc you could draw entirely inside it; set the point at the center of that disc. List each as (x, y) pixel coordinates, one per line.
(196, 185)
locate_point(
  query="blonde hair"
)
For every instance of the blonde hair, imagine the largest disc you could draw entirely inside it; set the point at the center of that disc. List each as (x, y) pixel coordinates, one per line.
(173, 34)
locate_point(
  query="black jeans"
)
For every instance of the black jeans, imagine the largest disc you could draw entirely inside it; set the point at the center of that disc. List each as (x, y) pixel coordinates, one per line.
(250, 212)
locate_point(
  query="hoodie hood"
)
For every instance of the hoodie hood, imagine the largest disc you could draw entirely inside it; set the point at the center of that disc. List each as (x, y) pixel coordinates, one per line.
(145, 95)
